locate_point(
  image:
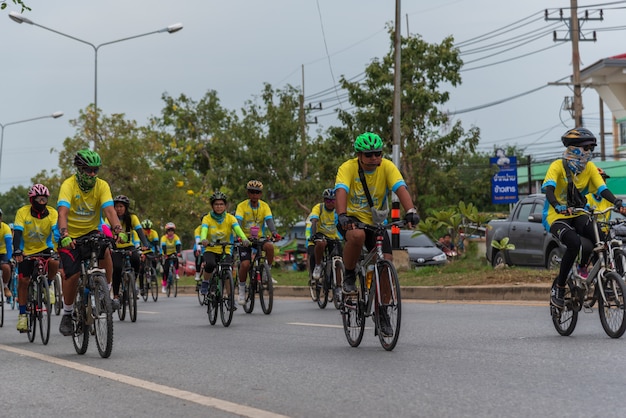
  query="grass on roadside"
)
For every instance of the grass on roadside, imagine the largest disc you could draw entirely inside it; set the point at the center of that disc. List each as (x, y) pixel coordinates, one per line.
(468, 271)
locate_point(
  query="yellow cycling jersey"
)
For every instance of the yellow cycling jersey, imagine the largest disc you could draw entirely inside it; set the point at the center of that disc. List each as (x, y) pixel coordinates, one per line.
(588, 181)
(169, 245)
(37, 234)
(85, 208)
(385, 178)
(131, 230)
(326, 221)
(247, 216)
(222, 231)
(7, 236)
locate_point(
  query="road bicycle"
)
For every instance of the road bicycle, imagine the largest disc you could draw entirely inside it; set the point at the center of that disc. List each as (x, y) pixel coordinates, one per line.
(172, 283)
(93, 313)
(150, 279)
(221, 295)
(603, 285)
(128, 289)
(377, 296)
(259, 280)
(13, 285)
(332, 276)
(38, 297)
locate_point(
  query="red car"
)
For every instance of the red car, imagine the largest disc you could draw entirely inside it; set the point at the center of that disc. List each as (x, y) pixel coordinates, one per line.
(187, 263)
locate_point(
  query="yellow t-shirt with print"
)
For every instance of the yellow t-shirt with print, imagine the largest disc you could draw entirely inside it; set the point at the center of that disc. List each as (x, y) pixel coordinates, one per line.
(380, 182)
(85, 208)
(215, 231)
(248, 216)
(170, 244)
(37, 234)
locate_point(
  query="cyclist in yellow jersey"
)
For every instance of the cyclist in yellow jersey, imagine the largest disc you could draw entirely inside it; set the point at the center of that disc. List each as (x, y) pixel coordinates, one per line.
(170, 244)
(352, 205)
(323, 220)
(558, 218)
(154, 244)
(83, 198)
(218, 226)
(130, 225)
(35, 228)
(198, 250)
(6, 250)
(253, 216)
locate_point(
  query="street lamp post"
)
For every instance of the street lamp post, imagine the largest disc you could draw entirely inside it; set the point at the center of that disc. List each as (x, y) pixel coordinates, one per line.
(170, 29)
(54, 115)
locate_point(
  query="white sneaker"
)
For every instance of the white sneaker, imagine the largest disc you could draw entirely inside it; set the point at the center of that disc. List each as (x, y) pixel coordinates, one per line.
(177, 277)
(317, 271)
(163, 290)
(274, 280)
(242, 299)
(197, 277)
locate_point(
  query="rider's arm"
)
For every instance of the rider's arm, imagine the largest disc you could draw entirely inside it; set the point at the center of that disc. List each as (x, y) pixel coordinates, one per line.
(142, 238)
(341, 201)
(239, 232)
(313, 227)
(114, 221)
(271, 226)
(608, 195)
(405, 200)
(17, 238)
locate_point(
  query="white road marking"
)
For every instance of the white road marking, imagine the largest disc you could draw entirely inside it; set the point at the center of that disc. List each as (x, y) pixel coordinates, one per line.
(230, 407)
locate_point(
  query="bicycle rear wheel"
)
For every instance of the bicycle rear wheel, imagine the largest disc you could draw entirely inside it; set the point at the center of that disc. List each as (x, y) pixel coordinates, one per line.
(43, 309)
(353, 314)
(80, 336)
(613, 310)
(146, 285)
(103, 315)
(58, 296)
(227, 300)
(31, 310)
(2, 302)
(175, 287)
(565, 319)
(200, 296)
(266, 289)
(389, 304)
(338, 273)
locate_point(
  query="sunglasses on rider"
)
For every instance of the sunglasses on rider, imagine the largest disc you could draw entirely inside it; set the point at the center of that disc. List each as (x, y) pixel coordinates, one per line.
(373, 154)
(254, 191)
(90, 170)
(588, 147)
(329, 200)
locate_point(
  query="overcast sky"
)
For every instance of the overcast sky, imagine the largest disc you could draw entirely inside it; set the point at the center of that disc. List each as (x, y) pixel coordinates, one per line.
(235, 46)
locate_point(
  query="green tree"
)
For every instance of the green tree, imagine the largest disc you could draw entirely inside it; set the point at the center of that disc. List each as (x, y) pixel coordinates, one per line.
(433, 147)
(11, 201)
(3, 5)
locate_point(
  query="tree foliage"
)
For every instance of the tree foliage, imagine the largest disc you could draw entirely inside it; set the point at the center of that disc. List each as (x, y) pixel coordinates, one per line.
(3, 5)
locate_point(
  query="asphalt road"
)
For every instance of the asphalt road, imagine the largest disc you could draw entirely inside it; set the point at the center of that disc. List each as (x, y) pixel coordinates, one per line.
(452, 359)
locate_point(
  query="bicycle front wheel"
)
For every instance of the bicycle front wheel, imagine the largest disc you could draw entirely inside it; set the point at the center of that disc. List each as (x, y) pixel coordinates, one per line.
(31, 310)
(388, 313)
(266, 289)
(227, 297)
(612, 307)
(338, 273)
(80, 336)
(200, 296)
(43, 309)
(175, 287)
(565, 319)
(102, 314)
(58, 297)
(153, 284)
(248, 306)
(353, 314)
(123, 298)
(324, 287)
(212, 308)
(131, 291)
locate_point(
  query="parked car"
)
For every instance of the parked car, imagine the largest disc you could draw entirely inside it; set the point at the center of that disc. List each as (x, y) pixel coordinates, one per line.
(187, 263)
(421, 249)
(534, 246)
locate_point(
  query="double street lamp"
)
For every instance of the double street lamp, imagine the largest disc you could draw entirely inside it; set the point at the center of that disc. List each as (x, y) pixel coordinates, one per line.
(170, 29)
(54, 115)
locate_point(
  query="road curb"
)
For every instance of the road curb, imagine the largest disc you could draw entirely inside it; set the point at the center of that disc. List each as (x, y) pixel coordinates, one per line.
(540, 292)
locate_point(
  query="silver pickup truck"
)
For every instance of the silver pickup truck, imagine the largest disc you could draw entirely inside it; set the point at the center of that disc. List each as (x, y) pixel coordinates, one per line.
(534, 246)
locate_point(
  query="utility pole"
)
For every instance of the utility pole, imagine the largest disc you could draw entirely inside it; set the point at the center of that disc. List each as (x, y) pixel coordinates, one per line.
(302, 119)
(575, 36)
(395, 152)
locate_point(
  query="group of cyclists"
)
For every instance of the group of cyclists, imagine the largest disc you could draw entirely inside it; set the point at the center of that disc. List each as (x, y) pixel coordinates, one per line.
(86, 206)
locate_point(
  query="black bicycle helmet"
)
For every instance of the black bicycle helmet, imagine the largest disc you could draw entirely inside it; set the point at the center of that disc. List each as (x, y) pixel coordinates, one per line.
(578, 137)
(122, 199)
(218, 196)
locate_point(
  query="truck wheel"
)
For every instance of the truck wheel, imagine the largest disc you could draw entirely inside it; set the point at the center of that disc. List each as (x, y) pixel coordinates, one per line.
(498, 259)
(553, 262)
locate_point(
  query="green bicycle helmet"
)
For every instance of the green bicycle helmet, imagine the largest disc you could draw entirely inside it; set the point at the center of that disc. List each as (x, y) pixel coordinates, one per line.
(368, 142)
(87, 158)
(218, 196)
(147, 224)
